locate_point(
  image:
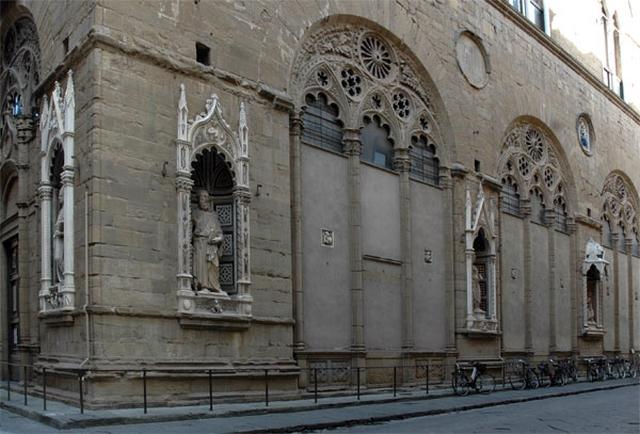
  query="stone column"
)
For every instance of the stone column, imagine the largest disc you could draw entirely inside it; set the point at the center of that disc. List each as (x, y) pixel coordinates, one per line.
(25, 133)
(295, 132)
(448, 186)
(574, 281)
(45, 192)
(402, 164)
(183, 187)
(525, 209)
(68, 291)
(615, 239)
(630, 277)
(353, 149)
(549, 220)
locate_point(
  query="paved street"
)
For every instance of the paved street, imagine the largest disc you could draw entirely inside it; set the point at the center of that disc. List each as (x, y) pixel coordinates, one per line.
(609, 411)
(615, 411)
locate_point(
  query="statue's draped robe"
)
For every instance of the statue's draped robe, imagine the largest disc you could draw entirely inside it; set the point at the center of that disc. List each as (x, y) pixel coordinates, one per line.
(207, 239)
(58, 247)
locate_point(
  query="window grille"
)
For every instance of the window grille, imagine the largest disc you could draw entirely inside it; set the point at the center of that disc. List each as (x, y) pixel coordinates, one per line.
(537, 206)
(322, 127)
(510, 196)
(425, 166)
(377, 147)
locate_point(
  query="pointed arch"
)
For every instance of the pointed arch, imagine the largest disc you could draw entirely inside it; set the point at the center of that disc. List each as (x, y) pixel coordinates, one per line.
(620, 203)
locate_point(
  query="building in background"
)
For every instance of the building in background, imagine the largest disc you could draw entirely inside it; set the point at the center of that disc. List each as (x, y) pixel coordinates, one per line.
(241, 186)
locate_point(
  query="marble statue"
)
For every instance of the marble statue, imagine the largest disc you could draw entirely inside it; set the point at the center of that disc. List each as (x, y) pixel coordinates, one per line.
(58, 241)
(477, 278)
(207, 245)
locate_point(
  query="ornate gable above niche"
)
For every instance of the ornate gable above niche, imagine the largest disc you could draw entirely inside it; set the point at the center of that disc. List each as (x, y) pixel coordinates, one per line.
(358, 68)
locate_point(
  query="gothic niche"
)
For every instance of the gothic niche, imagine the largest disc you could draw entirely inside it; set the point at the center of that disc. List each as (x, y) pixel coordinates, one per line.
(212, 182)
(212, 224)
(480, 258)
(594, 271)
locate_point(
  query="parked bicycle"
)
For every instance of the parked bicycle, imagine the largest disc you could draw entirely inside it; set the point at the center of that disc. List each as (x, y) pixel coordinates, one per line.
(568, 370)
(595, 369)
(523, 376)
(549, 374)
(479, 380)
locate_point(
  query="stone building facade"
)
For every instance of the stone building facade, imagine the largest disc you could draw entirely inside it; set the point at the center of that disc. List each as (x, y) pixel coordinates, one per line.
(393, 183)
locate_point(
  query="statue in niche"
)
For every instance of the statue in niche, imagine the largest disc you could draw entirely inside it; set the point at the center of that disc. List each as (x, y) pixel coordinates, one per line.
(591, 314)
(477, 278)
(207, 243)
(58, 241)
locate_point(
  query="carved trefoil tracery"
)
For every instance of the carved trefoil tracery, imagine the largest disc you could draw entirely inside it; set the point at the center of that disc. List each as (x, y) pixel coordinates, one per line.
(208, 133)
(56, 194)
(480, 262)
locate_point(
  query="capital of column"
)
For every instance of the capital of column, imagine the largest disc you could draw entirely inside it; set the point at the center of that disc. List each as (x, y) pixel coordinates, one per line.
(525, 207)
(571, 225)
(549, 217)
(296, 124)
(45, 191)
(67, 175)
(351, 142)
(184, 183)
(401, 162)
(25, 128)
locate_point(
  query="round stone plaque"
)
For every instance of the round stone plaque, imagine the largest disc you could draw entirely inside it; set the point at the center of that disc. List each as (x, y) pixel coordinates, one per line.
(472, 59)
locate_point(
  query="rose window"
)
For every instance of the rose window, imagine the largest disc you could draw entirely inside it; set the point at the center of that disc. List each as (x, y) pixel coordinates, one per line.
(535, 144)
(351, 82)
(620, 189)
(401, 105)
(376, 57)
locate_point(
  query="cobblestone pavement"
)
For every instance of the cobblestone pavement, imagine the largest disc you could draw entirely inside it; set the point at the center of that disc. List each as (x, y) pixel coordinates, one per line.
(613, 410)
(607, 411)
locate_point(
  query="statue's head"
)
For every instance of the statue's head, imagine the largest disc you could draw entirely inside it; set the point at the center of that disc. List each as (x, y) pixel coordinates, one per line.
(203, 200)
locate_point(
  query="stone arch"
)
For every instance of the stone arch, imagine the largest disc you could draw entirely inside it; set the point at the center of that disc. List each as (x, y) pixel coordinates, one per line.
(532, 155)
(346, 40)
(8, 181)
(620, 202)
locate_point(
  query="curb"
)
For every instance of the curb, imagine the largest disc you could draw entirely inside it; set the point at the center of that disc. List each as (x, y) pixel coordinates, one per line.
(409, 415)
(63, 422)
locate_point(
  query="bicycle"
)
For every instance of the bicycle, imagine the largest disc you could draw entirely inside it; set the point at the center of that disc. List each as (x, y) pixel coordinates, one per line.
(480, 380)
(526, 377)
(569, 370)
(595, 370)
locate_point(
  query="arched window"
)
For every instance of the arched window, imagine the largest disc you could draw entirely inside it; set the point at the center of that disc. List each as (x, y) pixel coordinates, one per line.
(622, 238)
(537, 206)
(322, 126)
(635, 243)
(606, 232)
(510, 196)
(480, 269)
(561, 214)
(425, 166)
(377, 147)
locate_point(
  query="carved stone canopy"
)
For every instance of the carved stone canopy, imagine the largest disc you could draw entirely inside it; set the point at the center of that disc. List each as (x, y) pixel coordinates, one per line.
(594, 255)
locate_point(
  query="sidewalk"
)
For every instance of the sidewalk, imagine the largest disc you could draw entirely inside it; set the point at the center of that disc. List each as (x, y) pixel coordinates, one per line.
(291, 416)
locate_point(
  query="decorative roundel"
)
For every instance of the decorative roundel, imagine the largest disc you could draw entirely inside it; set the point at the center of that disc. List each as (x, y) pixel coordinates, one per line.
(401, 105)
(535, 144)
(376, 57)
(585, 133)
(351, 82)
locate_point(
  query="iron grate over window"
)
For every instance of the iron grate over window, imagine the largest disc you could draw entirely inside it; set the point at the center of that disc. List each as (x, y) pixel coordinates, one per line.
(510, 196)
(425, 166)
(561, 215)
(322, 127)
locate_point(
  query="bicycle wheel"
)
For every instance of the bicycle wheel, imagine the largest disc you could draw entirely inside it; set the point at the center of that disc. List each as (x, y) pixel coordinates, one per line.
(532, 379)
(485, 383)
(517, 381)
(544, 380)
(460, 384)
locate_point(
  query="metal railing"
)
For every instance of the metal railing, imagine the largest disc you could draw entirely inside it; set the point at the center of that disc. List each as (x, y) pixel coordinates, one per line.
(412, 378)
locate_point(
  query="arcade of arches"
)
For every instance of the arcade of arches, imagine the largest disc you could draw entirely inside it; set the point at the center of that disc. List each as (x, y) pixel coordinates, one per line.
(343, 222)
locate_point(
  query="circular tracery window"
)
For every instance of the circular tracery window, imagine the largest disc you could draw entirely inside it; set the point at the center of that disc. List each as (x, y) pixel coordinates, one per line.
(585, 134)
(376, 57)
(535, 145)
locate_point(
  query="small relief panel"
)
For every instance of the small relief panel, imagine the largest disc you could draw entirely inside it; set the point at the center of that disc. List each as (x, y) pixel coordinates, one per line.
(428, 256)
(472, 59)
(225, 214)
(585, 133)
(327, 238)
(226, 274)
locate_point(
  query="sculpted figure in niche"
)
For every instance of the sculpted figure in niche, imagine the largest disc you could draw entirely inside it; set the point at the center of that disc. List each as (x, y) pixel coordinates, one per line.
(58, 241)
(207, 243)
(476, 279)
(591, 314)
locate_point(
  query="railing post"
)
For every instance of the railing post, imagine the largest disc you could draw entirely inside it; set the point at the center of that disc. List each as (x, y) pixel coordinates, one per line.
(81, 392)
(358, 379)
(426, 375)
(210, 392)
(395, 376)
(266, 387)
(44, 389)
(315, 384)
(24, 382)
(144, 388)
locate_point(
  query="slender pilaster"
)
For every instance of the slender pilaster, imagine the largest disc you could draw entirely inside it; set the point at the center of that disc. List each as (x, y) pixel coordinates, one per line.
(575, 282)
(549, 220)
(45, 191)
(446, 182)
(68, 291)
(525, 209)
(402, 164)
(615, 239)
(184, 183)
(630, 277)
(295, 132)
(353, 149)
